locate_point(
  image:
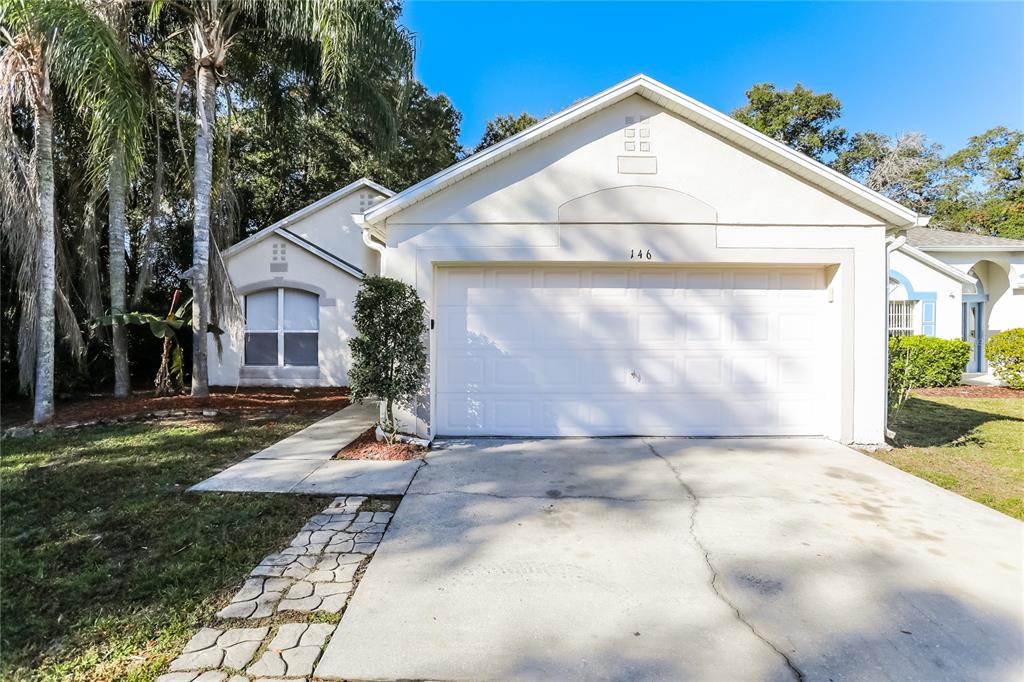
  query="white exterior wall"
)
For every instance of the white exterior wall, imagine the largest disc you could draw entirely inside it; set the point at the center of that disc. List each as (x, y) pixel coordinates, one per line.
(948, 292)
(734, 209)
(531, 185)
(1005, 307)
(332, 229)
(250, 270)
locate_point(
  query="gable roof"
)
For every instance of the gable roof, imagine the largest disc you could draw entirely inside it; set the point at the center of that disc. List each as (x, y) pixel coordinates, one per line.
(280, 227)
(773, 151)
(336, 261)
(935, 264)
(932, 239)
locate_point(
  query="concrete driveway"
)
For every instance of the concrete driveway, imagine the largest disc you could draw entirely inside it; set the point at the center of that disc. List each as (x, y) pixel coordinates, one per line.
(638, 559)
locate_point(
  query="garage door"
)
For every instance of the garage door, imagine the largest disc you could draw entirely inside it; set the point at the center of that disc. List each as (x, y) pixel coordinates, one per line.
(567, 351)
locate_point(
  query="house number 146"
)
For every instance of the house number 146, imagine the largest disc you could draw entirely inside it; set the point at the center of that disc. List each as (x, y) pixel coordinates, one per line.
(640, 254)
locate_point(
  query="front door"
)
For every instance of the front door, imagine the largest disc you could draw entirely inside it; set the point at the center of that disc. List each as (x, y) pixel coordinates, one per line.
(973, 333)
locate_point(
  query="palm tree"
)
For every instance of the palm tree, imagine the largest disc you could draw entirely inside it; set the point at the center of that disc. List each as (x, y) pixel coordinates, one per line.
(116, 16)
(116, 267)
(360, 48)
(47, 43)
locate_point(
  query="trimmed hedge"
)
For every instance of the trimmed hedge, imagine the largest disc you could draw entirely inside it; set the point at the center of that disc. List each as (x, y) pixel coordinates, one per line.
(924, 362)
(1005, 354)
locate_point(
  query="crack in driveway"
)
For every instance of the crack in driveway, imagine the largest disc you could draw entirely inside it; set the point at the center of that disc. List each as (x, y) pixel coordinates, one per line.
(797, 673)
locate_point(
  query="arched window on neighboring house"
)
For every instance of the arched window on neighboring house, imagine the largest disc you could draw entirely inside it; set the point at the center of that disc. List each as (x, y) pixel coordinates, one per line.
(282, 328)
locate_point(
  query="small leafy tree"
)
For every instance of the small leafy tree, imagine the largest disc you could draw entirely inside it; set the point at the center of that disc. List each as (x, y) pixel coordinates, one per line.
(170, 378)
(389, 360)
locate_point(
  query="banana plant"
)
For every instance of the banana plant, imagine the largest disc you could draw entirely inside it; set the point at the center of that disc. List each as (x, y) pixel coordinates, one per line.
(170, 378)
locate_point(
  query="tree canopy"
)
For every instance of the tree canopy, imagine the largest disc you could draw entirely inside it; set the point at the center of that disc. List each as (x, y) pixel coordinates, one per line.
(979, 188)
(982, 188)
(502, 127)
(799, 117)
(285, 137)
(292, 125)
(904, 168)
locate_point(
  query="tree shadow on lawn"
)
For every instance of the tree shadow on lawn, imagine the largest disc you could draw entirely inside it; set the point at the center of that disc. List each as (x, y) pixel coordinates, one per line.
(104, 557)
(927, 423)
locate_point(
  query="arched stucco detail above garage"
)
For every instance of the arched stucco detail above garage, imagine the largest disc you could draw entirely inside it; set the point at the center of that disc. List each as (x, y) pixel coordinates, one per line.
(637, 204)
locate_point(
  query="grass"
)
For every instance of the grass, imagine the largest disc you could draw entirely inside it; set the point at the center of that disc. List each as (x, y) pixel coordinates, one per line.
(108, 566)
(972, 446)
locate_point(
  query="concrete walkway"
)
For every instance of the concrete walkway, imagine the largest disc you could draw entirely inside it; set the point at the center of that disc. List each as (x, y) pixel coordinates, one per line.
(980, 379)
(302, 464)
(683, 559)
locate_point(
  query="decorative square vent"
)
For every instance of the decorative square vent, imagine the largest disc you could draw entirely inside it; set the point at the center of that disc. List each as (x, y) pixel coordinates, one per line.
(279, 257)
(637, 129)
(367, 200)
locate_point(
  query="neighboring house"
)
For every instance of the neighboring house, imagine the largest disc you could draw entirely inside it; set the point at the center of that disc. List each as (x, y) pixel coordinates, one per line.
(296, 281)
(956, 285)
(643, 264)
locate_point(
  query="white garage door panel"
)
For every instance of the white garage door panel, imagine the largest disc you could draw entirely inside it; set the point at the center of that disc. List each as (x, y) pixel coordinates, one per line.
(601, 351)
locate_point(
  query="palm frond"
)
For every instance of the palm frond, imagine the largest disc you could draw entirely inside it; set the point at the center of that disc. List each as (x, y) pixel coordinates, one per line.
(18, 197)
(146, 252)
(88, 257)
(364, 52)
(88, 59)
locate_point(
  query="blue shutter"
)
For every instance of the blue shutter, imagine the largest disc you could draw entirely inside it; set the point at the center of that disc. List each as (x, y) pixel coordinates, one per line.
(928, 318)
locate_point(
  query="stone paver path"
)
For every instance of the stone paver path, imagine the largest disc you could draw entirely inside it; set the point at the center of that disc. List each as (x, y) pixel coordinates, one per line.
(314, 574)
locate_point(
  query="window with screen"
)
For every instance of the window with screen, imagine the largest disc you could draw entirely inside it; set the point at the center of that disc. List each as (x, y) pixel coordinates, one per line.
(282, 328)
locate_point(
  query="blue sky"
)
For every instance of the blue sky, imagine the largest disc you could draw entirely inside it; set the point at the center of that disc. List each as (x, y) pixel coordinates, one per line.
(948, 70)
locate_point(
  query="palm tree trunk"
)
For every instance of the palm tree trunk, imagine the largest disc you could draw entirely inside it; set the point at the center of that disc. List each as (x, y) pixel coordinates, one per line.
(116, 265)
(202, 183)
(47, 257)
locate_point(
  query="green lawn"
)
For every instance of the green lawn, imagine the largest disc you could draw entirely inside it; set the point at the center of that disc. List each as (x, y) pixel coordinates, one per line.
(108, 567)
(972, 446)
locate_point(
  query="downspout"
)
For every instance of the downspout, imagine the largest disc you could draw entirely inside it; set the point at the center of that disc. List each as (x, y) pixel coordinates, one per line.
(368, 239)
(891, 244)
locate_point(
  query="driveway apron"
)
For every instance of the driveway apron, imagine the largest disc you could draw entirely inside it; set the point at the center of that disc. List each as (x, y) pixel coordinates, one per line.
(649, 559)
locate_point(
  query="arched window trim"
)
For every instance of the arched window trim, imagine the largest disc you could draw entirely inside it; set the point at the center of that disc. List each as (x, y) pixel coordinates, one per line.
(927, 299)
(281, 330)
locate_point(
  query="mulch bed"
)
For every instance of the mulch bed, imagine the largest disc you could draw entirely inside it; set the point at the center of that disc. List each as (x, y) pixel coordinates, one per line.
(367, 447)
(971, 392)
(243, 400)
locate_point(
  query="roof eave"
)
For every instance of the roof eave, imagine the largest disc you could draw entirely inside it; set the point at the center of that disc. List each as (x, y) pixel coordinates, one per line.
(889, 211)
(974, 248)
(305, 211)
(936, 264)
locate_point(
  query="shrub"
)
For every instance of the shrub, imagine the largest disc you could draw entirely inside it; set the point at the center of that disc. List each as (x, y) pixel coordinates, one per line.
(389, 360)
(1005, 354)
(923, 362)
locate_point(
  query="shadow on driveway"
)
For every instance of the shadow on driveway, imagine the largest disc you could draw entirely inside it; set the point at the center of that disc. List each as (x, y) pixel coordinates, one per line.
(638, 559)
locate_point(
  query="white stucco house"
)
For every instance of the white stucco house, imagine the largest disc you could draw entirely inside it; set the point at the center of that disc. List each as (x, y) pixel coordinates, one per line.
(956, 285)
(638, 263)
(296, 281)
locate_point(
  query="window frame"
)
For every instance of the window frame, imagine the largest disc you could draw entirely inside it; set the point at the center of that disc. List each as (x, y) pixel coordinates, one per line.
(909, 312)
(280, 330)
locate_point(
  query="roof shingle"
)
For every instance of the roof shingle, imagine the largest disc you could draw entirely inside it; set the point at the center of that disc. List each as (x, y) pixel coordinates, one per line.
(925, 237)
